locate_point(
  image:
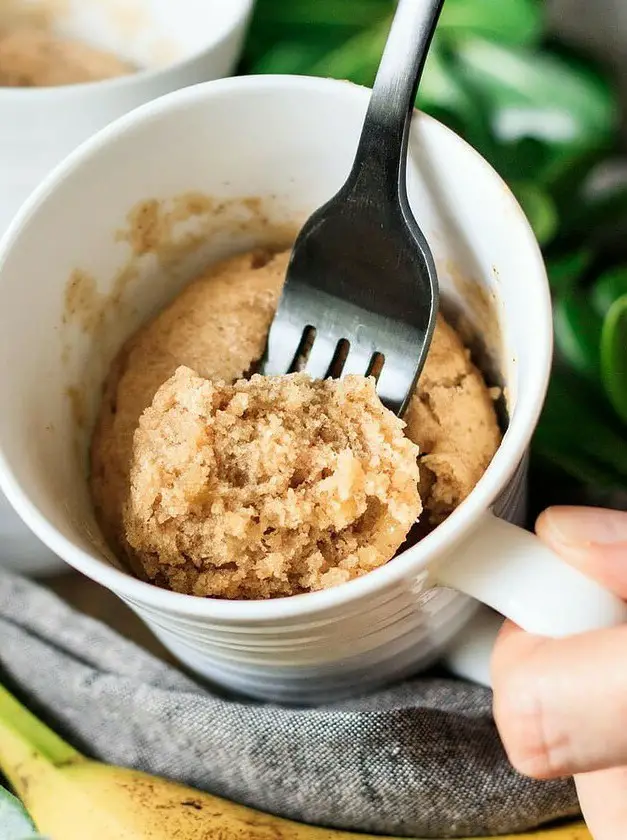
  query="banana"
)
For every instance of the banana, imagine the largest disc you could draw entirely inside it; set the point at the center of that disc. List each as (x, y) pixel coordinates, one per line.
(71, 797)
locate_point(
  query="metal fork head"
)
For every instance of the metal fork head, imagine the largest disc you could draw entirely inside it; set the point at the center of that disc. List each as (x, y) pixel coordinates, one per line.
(361, 293)
(360, 297)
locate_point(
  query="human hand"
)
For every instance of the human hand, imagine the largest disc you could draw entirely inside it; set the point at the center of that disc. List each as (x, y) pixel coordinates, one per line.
(561, 705)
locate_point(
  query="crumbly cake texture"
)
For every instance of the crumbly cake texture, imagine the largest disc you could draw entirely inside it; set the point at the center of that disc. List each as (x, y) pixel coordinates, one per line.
(35, 57)
(268, 487)
(217, 327)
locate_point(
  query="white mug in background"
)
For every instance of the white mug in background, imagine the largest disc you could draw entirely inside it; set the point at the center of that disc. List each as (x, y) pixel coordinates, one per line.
(175, 44)
(290, 142)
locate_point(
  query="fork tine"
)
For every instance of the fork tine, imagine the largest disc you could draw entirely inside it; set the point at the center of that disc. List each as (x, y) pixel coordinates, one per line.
(339, 359)
(394, 385)
(321, 355)
(284, 341)
(358, 360)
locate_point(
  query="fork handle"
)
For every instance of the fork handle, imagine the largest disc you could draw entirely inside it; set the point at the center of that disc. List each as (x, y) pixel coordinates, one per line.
(381, 159)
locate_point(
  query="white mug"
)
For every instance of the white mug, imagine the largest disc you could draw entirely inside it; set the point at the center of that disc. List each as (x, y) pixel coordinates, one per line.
(176, 44)
(289, 142)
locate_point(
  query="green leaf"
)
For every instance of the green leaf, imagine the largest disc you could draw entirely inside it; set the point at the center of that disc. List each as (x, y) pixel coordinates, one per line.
(608, 288)
(525, 159)
(354, 14)
(517, 22)
(289, 57)
(358, 59)
(539, 209)
(578, 334)
(565, 271)
(314, 26)
(594, 217)
(539, 94)
(15, 824)
(443, 94)
(580, 466)
(440, 86)
(614, 356)
(577, 428)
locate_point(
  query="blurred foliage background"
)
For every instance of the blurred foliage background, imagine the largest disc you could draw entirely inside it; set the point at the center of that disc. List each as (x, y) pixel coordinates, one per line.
(547, 118)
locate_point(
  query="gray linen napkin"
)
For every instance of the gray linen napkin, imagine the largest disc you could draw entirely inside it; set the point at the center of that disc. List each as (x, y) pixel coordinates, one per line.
(421, 759)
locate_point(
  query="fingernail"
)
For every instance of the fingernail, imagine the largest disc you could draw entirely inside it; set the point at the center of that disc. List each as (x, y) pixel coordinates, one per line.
(577, 526)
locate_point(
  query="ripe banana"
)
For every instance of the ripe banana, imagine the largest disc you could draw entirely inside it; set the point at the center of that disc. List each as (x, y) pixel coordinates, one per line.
(71, 797)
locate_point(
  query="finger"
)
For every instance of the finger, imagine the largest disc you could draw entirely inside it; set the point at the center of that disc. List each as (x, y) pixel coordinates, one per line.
(560, 705)
(603, 798)
(591, 539)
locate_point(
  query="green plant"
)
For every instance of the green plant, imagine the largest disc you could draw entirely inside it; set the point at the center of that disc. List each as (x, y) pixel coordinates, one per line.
(547, 120)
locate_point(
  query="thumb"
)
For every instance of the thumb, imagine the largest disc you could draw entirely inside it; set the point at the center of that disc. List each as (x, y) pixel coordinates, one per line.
(591, 539)
(560, 703)
(603, 797)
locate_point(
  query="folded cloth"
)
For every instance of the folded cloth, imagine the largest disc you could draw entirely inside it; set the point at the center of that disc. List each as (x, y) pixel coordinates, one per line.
(420, 759)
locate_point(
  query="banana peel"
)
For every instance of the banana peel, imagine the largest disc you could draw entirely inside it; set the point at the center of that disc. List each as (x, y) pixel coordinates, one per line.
(71, 797)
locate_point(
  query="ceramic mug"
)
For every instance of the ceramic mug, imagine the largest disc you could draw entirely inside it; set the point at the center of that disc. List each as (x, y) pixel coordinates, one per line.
(289, 142)
(174, 44)
(178, 44)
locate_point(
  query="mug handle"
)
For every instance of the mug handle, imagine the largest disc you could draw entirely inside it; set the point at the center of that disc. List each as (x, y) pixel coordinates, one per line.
(513, 572)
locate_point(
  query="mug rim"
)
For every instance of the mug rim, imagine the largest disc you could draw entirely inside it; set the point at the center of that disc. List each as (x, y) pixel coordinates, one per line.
(144, 75)
(460, 523)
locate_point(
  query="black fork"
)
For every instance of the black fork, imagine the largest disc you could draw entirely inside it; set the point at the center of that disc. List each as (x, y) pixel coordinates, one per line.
(361, 293)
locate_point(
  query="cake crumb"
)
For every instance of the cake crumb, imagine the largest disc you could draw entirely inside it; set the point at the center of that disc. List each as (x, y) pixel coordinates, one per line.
(268, 487)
